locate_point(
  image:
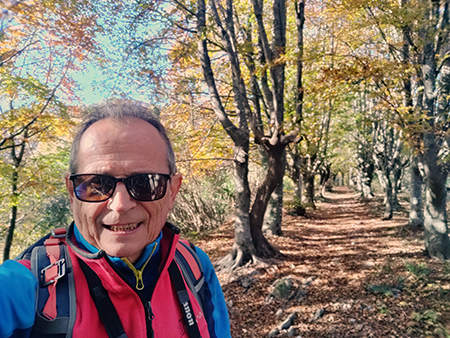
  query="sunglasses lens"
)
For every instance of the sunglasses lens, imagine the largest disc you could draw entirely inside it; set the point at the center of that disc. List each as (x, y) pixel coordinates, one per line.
(94, 188)
(98, 188)
(147, 187)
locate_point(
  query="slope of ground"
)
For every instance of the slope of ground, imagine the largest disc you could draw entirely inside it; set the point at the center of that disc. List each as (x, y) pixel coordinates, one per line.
(352, 274)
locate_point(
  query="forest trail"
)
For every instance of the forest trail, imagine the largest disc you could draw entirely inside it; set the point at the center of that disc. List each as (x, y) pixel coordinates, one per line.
(353, 275)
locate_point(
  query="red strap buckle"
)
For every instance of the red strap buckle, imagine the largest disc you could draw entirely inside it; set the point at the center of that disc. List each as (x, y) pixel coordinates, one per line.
(50, 274)
(59, 232)
(53, 272)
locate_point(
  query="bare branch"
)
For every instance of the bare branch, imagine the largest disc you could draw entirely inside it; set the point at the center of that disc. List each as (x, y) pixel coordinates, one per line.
(34, 119)
(5, 58)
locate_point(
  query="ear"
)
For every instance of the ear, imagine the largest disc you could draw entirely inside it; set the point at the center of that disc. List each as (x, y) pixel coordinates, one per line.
(175, 184)
(69, 186)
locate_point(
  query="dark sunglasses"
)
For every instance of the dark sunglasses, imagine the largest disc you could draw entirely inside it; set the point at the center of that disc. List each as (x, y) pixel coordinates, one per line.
(98, 188)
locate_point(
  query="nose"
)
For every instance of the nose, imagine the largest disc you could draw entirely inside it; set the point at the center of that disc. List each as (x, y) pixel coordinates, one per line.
(121, 201)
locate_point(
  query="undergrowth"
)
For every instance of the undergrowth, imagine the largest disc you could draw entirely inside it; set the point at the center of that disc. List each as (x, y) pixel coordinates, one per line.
(426, 284)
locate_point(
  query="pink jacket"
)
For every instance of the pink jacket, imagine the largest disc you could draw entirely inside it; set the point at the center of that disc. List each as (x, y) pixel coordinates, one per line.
(168, 320)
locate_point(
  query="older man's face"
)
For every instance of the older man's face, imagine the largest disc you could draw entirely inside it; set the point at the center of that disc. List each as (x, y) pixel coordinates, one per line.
(121, 225)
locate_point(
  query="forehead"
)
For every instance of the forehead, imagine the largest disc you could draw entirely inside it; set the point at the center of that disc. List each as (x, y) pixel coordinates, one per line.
(122, 147)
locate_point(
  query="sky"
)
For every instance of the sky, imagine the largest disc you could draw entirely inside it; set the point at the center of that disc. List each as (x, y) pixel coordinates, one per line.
(95, 84)
(91, 92)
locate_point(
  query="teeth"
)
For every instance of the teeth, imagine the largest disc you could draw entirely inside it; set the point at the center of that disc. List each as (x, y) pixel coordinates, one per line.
(126, 227)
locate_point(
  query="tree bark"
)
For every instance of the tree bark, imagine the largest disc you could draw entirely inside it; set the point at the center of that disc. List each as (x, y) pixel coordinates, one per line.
(416, 217)
(397, 175)
(274, 177)
(351, 181)
(365, 177)
(294, 166)
(243, 249)
(387, 156)
(300, 22)
(437, 242)
(274, 214)
(13, 217)
(388, 206)
(274, 144)
(17, 161)
(309, 189)
(325, 180)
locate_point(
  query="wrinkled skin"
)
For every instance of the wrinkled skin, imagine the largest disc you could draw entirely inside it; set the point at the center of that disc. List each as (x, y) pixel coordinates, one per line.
(122, 226)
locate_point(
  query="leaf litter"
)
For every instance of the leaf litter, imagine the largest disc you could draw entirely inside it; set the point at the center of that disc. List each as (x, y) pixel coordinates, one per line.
(352, 275)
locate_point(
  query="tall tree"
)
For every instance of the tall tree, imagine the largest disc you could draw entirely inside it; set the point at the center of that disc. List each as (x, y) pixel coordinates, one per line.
(389, 163)
(16, 142)
(41, 42)
(425, 26)
(249, 223)
(416, 216)
(433, 71)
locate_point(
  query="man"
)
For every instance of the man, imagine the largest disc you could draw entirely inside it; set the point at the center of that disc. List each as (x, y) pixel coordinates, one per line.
(122, 184)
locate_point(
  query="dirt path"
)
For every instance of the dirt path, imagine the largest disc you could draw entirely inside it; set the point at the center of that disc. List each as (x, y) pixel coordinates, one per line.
(357, 276)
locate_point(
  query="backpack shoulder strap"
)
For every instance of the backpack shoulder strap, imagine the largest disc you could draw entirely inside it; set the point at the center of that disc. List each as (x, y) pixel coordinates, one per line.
(55, 295)
(105, 307)
(191, 268)
(185, 302)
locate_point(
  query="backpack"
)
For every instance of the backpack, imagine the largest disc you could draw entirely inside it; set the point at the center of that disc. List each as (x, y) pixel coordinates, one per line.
(51, 264)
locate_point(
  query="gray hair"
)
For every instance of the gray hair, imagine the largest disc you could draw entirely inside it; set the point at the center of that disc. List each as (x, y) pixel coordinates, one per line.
(120, 110)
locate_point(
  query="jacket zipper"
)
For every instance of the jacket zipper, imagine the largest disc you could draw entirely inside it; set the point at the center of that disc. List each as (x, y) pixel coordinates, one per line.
(147, 304)
(150, 316)
(139, 273)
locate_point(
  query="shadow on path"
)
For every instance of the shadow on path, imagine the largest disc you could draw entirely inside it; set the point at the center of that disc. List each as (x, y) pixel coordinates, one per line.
(342, 251)
(340, 246)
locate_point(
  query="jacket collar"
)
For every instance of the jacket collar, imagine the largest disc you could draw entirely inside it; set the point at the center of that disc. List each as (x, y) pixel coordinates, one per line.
(87, 250)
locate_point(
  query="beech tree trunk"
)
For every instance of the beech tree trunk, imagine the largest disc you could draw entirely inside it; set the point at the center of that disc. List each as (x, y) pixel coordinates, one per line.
(294, 170)
(434, 101)
(255, 246)
(274, 177)
(242, 202)
(325, 180)
(364, 180)
(243, 249)
(387, 157)
(416, 217)
(17, 153)
(397, 175)
(437, 242)
(388, 205)
(12, 218)
(274, 214)
(309, 189)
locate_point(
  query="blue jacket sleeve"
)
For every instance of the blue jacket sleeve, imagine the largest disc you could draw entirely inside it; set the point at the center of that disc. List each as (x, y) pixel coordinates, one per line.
(216, 308)
(17, 300)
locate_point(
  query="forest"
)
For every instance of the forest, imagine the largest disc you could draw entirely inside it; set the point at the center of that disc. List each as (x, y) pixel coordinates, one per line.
(294, 123)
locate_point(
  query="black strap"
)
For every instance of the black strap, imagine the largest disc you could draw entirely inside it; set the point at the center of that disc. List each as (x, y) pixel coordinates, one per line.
(185, 303)
(106, 310)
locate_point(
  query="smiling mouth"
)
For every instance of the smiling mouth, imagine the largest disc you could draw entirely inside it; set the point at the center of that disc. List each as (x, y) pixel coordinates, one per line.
(121, 228)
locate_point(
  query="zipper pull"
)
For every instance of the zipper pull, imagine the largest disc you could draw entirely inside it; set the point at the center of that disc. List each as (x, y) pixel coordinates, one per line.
(139, 280)
(139, 274)
(150, 316)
